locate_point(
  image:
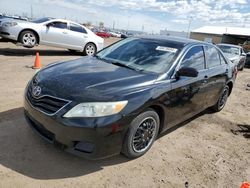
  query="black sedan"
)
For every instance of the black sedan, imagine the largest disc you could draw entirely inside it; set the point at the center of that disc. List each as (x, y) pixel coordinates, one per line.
(121, 99)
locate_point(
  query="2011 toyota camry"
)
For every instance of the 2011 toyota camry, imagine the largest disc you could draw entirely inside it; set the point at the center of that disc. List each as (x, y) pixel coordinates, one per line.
(121, 99)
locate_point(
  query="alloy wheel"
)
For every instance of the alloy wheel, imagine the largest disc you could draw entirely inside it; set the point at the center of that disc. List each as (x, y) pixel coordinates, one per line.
(223, 98)
(29, 39)
(90, 49)
(144, 135)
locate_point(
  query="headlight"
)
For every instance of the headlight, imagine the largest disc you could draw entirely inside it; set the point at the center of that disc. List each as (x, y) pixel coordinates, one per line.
(9, 24)
(96, 109)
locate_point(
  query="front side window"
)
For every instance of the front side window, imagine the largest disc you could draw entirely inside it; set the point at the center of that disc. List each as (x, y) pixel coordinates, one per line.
(77, 28)
(142, 54)
(212, 56)
(194, 58)
(60, 25)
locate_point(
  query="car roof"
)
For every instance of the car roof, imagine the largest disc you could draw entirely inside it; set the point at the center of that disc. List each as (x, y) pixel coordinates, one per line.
(231, 45)
(182, 41)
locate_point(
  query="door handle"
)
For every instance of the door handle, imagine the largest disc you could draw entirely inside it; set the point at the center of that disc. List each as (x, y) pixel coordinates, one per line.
(64, 32)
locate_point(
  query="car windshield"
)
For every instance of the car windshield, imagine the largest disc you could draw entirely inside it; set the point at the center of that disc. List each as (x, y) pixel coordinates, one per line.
(141, 54)
(41, 20)
(229, 50)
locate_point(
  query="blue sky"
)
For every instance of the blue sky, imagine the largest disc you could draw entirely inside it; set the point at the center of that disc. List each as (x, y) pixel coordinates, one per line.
(150, 15)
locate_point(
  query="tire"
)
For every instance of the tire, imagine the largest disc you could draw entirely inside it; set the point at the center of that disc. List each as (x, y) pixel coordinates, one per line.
(89, 49)
(28, 39)
(141, 134)
(222, 100)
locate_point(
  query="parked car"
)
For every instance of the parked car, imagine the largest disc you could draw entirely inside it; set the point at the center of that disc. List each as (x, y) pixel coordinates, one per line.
(247, 64)
(114, 34)
(53, 32)
(13, 17)
(121, 99)
(246, 46)
(235, 53)
(103, 34)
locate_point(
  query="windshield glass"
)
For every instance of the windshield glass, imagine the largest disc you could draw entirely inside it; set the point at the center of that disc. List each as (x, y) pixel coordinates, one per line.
(41, 20)
(150, 55)
(229, 50)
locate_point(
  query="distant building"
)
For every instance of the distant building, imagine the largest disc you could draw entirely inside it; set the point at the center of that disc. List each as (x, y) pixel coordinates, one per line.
(218, 34)
(174, 33)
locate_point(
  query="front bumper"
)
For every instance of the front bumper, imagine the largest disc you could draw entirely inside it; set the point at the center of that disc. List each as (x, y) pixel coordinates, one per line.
(85, 141)
(9, 32)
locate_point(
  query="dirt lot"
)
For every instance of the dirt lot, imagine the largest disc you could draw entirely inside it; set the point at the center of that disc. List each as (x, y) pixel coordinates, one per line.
(211, 150)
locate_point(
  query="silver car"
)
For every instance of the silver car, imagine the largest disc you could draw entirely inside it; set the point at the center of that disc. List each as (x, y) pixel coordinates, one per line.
(53, 32)
(234, 53)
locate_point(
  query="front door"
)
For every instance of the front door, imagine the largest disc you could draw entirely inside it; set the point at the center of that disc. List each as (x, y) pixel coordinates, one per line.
(188, 94)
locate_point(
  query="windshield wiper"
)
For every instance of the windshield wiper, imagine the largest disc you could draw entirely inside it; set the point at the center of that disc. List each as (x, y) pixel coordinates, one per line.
(122, 65)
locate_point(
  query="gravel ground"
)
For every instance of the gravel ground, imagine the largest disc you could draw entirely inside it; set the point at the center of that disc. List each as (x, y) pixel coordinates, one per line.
(210, 150)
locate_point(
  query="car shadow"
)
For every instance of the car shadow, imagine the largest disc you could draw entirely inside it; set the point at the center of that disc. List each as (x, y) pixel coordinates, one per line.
(207, 111)
(31, 52)
(24, 152)
(242, 129)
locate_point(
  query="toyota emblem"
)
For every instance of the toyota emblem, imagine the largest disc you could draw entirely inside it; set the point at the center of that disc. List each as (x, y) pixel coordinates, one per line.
(36, 91)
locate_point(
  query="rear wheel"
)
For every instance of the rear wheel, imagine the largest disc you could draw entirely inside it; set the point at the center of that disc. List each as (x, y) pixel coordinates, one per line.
(222, 100)
(28, 39)
(90, 49)
(141, 134)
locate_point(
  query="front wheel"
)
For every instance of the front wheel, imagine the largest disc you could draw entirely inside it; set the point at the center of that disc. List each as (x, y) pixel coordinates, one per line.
(141, 135)
(222, 100)
(90, 49)
(28, 39)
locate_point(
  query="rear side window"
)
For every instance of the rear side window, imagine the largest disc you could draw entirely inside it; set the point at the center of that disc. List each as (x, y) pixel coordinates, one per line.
(212, 56)
(60, 25)
(77, 28)
(194, 58)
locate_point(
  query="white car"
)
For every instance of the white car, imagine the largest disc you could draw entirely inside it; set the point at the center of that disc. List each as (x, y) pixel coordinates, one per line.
(234, 53)
(53, 32)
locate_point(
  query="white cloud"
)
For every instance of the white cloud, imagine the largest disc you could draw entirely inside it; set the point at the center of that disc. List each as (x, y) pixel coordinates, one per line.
(137, 13)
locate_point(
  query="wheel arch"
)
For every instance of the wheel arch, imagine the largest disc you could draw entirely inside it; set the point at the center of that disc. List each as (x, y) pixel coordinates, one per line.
(230, 85)
(28, 29)
(90, 42)
(161, 113)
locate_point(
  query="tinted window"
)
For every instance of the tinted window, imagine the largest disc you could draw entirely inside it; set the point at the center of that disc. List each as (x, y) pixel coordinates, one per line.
(77, 28)
(194, 58)
(151, 55)
(222, 59)
(212, 56)
(60, 25)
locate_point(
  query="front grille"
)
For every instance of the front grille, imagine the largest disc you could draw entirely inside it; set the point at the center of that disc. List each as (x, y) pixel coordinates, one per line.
(47, 104)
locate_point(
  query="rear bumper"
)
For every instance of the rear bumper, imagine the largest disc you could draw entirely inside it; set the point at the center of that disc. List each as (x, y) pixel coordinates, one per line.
(90, 143)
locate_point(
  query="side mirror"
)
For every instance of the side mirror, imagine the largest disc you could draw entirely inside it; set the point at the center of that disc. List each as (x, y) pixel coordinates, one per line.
(187, 71)
(49, 24)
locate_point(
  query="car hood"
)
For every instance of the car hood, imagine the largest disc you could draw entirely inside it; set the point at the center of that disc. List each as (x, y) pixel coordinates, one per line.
(90, 79)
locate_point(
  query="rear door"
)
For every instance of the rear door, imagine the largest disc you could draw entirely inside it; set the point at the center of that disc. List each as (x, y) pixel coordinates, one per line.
(217, 73)
(188, 95)
(56, 34)
(77, 35)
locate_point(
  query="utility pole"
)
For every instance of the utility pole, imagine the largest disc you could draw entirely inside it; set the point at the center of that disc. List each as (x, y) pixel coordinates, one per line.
(189, 24)
(113, 25)
(31, 11)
